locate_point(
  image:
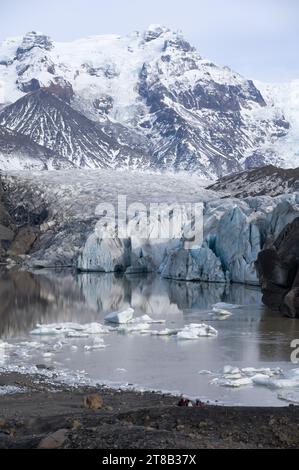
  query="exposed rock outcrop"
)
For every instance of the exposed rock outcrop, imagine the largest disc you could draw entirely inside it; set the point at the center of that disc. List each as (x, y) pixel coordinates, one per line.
(278, 270)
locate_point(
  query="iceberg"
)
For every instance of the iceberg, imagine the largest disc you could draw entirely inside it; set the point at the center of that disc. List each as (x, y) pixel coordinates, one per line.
(124, 316)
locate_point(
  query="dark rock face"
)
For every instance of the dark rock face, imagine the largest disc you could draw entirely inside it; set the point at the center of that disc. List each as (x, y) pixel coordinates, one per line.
(278, 271)
(32, 40)
(31, 85)
(61, 88)
(199, 127)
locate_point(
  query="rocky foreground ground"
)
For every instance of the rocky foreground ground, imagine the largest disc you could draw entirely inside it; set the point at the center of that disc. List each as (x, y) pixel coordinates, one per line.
(50, 417)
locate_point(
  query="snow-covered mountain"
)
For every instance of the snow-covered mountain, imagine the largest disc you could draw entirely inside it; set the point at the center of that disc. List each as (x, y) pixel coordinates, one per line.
(144, 100)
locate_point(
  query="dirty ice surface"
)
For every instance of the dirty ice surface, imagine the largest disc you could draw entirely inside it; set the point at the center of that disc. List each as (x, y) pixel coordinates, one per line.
(207, 341)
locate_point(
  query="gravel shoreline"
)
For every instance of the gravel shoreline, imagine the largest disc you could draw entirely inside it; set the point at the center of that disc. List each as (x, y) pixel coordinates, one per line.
(54, 416)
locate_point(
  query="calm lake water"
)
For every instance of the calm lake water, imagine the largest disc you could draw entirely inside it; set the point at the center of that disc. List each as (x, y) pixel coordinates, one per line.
(251, 337)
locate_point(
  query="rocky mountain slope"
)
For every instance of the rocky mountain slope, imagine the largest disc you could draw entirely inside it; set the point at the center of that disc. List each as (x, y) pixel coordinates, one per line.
(17, 151)
(146, 99)
(53, 124)
(268, 180)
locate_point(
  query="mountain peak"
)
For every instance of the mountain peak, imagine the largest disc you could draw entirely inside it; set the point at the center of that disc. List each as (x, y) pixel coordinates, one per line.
(34, 39)
(155, 31)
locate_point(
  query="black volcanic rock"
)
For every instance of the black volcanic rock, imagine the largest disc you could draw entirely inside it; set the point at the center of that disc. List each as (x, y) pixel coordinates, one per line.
(31, 85)
(278, 271)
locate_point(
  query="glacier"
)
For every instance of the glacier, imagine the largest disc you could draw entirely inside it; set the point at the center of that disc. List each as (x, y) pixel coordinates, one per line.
(63, 205)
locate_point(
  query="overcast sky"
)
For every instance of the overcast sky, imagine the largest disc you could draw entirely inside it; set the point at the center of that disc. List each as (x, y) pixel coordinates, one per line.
(258, 38)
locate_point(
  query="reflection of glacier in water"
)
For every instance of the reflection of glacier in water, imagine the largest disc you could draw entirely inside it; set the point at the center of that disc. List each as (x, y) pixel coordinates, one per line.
(251, 336)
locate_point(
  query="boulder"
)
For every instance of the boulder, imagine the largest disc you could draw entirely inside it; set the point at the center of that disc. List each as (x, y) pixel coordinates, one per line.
(93, 402)
(54, 440)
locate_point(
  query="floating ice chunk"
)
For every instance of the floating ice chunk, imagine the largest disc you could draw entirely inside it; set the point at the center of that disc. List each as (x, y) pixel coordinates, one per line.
(4, 345)
(124, 316)
(289, 380)
(97, 344)
(146, 319)
(224, 305)
(263, 370)
(56, 329)
(221, 312)
(165, 332)
(76, 334)
(261, 379)
(205, 372)
(130, 328)
(121, 369)
(241, 382)
(232, 376)
(30, 344)
(196, 330)
(45, 331)
(284, 383)
(48, 355)
(231, 370)
(95, 328)
(58, 346)
(292, 397)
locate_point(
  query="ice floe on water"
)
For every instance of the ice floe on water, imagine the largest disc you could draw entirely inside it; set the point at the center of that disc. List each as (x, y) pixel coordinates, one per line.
(272, 378)
(122, 322)
(221, 312)
(69, 329)
(196, 330)
(290, 396)
(235, 377)
(164, 332)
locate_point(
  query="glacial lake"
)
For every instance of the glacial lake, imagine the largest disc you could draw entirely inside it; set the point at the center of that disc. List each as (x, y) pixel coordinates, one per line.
(251, 336)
